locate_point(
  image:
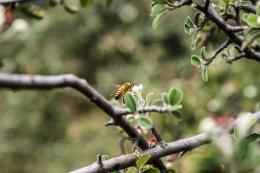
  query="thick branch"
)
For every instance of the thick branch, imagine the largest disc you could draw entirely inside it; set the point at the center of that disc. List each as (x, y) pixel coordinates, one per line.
(81, 85)
(125, 161)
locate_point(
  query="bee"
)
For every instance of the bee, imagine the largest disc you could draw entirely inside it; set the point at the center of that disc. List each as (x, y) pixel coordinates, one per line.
(121, 89)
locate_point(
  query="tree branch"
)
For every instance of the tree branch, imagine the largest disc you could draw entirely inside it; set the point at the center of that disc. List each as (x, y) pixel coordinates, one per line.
(125, 161)
(220, 49)
(39, 82)
(229, 30)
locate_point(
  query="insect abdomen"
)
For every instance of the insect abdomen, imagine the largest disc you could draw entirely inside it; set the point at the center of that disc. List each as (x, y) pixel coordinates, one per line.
(120, 92)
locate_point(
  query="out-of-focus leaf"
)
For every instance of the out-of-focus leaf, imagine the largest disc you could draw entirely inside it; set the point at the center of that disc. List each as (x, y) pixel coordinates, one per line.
(131, 170)
(130, 102)
(109, 2)
(176, 114)
(71, 8)
(145, 122)
(204, 73)
(258, 9)
(202, 52)
(151, 170)
(157, 9)
(142, 160)
(165, 98)
(33, 11)
(252, 20)
(157, 20)
(253, 138)
(195, 60)
(175, 96)
(158, 1)
(85, 3)
(249, 39)
(54, 2)
(116, 172)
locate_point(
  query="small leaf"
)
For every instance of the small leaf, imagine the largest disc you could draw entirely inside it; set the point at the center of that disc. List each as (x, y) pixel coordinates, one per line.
(157, 20)
(33, 11)
(145, 122)
(159, 1)
(204, 73)
(54, 2)
(252, 20)
(116, 172)
(131, 170)
(202, 52)
(176, 114)
(249, 39)
(165, 98)
(258, 9)
(71, 8)
(197, 18)
(151, 170)
(189, 23)
(175, 96)
(143, 159)
(195, 60)
(253, 138)
(130, 102)
(85, 3)
(157, 9)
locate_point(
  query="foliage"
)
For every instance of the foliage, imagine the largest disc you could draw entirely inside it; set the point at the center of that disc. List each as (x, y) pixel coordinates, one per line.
(109, 45)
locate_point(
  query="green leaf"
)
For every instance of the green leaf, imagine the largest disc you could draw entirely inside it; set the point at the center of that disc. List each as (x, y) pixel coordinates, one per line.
(165, 98)
(157, 20)
(159, 1)
(143, 159)
(252, 20)
(157, 9)
(116, 172)
(188, 23)
(85, 3)
(33, 11)
(204, 73)
(145, 122)
(189, 26)
(253, 138)
(54, 2)
(175, 96)
(197, 18)
(130, 102)
(202, 52)
(258, 9)
(71, 8)
(195, 60)
(249, 39)
(151, 170)
(176, 114)
(131, 170)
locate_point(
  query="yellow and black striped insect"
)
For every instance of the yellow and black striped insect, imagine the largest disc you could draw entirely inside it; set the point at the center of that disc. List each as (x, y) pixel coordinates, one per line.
(121, 90)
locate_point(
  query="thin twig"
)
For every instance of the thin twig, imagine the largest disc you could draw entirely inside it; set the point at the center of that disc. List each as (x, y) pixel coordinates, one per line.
(220, 49)
(237, 57)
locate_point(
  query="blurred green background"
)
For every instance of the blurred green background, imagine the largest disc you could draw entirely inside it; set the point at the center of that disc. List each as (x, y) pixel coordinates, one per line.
(60, 130)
